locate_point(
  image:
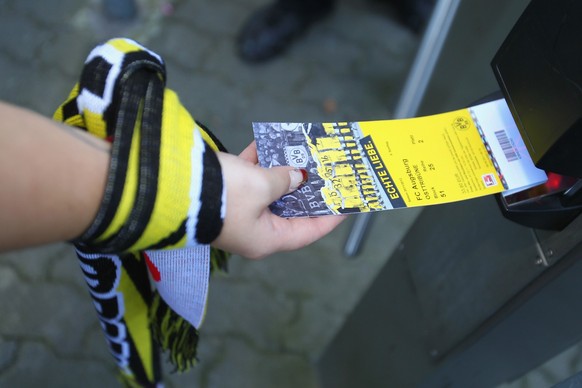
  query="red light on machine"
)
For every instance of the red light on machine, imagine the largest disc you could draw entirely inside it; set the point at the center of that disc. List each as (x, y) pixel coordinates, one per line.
(556, 183)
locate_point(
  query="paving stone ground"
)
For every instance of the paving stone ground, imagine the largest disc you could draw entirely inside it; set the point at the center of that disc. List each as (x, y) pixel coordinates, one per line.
(267, 321)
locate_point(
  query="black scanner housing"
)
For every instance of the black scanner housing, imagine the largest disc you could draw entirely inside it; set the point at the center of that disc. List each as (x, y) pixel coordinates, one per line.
(539, 70)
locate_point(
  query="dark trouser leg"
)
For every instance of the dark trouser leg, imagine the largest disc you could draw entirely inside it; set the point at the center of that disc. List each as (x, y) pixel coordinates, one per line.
(272, 29)
(308, 6)
(414, 13)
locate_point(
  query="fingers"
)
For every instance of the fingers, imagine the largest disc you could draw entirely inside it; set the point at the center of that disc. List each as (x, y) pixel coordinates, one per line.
(283, 180)
(301, 232)
(250, 228)
(280, 234)
(297, 177)
(271, 183)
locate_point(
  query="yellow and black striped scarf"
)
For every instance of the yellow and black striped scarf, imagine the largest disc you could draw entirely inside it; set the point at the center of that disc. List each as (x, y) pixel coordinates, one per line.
(163, 204)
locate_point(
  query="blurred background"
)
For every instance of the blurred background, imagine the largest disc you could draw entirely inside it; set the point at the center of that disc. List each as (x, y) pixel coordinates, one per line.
(269, 323)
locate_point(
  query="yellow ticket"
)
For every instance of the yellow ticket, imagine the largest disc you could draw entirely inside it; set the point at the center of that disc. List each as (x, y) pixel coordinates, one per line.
(380, 165)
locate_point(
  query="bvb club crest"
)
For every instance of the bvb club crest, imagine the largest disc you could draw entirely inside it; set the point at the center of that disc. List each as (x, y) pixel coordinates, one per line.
(461, 123)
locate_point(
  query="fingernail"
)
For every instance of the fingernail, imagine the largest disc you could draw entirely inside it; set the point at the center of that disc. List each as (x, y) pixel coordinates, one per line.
(298, 177)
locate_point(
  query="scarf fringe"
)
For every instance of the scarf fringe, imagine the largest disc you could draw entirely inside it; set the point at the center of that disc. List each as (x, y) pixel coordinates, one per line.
(218, 260)
(174, 334)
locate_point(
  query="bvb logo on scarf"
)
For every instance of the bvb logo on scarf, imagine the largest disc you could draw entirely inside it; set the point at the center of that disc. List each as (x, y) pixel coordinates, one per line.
(163, 204)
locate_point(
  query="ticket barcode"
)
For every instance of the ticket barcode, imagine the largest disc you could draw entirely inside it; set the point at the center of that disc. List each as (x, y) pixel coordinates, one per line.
(506, 146)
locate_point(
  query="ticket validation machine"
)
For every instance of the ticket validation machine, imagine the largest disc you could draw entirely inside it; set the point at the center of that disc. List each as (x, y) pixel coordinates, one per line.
(539, 71)
(481, 292)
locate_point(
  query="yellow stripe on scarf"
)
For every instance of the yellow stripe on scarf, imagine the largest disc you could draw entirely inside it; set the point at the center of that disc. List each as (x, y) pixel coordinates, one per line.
(174, 175)
(137, 321)
(129, 188)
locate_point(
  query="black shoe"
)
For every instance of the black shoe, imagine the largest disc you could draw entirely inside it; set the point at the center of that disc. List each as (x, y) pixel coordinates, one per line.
(414, 14)
(272, 29)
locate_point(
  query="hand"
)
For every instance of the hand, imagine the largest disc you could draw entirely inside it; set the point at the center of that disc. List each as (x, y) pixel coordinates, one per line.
(250, 228)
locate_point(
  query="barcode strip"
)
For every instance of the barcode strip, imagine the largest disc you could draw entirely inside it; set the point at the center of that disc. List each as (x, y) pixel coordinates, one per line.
(506, 146)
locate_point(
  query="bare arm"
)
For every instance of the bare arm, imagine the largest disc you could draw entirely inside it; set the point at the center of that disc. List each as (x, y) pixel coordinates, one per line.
(52, 179)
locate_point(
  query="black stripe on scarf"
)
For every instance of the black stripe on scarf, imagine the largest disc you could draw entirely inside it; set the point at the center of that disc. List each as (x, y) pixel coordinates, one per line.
(171, 239)
(142, 87)
(136, 364)
(209, 217)
(130, 99)
(114, 118)
(93, 80)
(137, 272)
(94, 76)
(141, 81)
(149, 163)
(136, 269)
(220, 146)
(70, 109)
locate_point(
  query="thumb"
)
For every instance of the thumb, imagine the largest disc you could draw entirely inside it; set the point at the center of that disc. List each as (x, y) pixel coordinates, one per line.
(285, 180)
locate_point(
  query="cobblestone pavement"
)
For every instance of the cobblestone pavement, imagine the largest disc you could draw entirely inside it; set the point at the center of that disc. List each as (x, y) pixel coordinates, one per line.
(267, 321)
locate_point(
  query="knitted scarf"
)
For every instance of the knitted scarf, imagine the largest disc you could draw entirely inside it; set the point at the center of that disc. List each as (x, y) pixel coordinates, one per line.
(163, 204)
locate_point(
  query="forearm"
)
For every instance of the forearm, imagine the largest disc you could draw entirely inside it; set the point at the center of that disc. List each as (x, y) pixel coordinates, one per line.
(52, 179)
